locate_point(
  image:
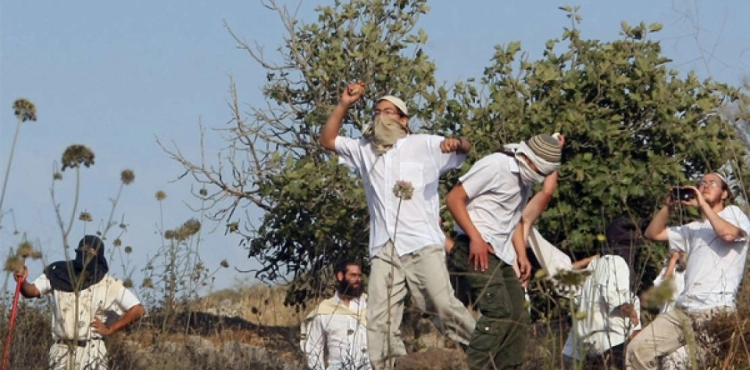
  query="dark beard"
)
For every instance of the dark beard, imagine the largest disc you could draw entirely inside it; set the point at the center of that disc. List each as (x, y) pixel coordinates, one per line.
(347, 290)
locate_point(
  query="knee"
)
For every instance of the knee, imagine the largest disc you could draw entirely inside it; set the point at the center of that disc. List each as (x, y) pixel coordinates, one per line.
(639, 356)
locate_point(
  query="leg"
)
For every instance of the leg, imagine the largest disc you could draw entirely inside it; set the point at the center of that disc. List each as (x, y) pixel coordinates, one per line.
(429, 283)
(385, 309)
(93, 356)
(59, 357)
(664, 335)
(498, 341)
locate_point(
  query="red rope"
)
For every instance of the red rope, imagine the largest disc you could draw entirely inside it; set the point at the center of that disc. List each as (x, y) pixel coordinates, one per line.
(6, 352)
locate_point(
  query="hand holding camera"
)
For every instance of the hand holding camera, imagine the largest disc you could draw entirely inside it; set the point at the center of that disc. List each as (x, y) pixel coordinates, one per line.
(682, 193)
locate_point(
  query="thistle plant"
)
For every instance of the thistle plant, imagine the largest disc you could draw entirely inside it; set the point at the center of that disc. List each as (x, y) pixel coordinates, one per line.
(74, 156)
(25, 111)
(403, 190)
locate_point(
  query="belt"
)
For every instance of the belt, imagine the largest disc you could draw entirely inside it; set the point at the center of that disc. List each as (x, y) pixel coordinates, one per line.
(79, 343)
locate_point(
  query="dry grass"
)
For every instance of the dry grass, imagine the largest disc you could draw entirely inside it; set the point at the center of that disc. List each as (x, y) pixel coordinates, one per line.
(265, 334)
(259, 304)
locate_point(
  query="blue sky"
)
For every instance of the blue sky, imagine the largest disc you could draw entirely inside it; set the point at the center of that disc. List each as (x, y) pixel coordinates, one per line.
(115, 75)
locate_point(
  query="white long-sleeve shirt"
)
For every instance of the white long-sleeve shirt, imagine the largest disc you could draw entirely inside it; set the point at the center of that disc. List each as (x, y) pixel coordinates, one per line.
(416, 159)
(344, 336)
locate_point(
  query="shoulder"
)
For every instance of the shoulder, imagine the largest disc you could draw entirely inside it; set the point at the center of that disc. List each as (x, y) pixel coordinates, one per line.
(495, 161)
(110, 282)
(425, 139)
(352, 142)
(734, 212)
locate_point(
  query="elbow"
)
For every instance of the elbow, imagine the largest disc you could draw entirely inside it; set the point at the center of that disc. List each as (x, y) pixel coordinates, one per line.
(650, 235)
(730, 238)
(328, 142)
(452, 200)
(138, 311)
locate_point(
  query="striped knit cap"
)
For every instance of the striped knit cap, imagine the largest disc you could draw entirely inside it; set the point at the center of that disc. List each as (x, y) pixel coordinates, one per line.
(546, 147)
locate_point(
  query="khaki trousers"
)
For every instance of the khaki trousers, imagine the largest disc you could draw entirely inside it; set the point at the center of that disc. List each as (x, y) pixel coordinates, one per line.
(425, 275)
(667, 333)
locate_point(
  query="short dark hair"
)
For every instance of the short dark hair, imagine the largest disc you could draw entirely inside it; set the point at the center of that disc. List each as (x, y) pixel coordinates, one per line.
(343, 265)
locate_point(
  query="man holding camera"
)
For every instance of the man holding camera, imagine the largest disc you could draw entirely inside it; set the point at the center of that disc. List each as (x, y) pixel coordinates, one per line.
(717, 249)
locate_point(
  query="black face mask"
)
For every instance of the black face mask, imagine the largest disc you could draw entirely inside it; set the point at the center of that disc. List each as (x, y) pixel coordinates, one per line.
(88, 268)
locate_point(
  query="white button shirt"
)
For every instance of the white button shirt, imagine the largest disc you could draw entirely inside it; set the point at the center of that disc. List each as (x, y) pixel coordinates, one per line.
(416, 159)
(343, 335)
(496, 197)
(99, 300)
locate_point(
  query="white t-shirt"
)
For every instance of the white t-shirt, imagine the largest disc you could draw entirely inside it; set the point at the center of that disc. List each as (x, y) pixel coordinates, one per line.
(98, 300)
(603, 327)
(416, 159)
(496, 198)
(715, 267)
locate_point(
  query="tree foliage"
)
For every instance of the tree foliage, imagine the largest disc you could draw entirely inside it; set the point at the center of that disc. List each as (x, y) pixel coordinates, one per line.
(633, 128)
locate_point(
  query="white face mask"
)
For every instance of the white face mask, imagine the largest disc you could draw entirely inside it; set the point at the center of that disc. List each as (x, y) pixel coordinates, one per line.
(528, 176)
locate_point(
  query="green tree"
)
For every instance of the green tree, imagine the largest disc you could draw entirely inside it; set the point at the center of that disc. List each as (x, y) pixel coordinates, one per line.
(633, 126)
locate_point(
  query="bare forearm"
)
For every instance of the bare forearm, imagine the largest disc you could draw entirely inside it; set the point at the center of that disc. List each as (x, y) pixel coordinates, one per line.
(539, 202)
(465, 146)
(456, 202)
(129, 317)
(656, 230)
(29, 290)
(333, 126)
(671, 265)
(723, 228)
(519, 241)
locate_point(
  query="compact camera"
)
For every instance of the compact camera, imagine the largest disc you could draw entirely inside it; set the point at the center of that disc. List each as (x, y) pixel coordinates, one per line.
(681, 193)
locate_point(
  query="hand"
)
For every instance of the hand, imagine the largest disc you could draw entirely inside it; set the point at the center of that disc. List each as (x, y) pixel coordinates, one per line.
(634, 317)
(524, 267)
(478, 250)
(101, 328)
(671, 203)
(20, 276)
(697, 201)
(560, 139)
(352, 93)
(450, 145)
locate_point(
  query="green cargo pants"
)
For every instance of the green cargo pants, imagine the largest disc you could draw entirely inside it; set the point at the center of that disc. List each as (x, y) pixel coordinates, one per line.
(499, 339)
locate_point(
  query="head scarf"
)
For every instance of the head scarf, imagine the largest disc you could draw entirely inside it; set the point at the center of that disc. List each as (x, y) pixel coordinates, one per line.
(84, 271)
(542, 150)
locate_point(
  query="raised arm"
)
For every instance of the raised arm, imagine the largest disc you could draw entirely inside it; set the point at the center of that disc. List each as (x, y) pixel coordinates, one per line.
(538, 204)
(28, 290)
(331, 130)
(657, 228)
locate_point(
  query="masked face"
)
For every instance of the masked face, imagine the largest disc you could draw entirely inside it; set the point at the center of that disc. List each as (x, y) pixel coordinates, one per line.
(84, 257)
(384, 132)
(528, 174)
